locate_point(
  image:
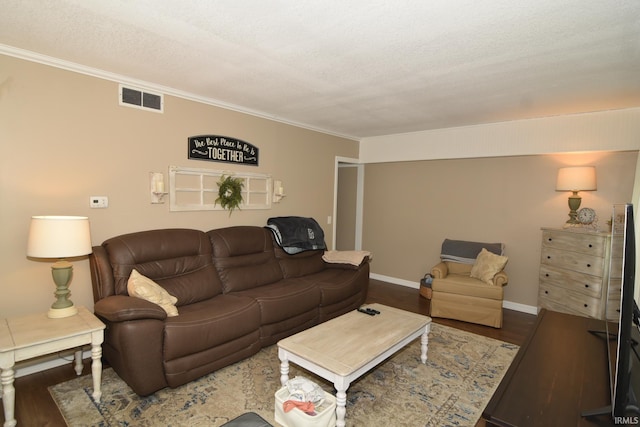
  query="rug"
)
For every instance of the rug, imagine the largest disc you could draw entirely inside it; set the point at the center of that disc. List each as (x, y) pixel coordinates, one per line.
(452, 389)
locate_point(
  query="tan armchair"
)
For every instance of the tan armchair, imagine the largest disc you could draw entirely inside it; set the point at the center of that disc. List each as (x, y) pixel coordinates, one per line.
(471, 292)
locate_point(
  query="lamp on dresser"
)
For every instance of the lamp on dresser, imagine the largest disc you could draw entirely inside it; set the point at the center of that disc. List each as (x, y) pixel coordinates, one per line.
(60, 237)
(575, 179)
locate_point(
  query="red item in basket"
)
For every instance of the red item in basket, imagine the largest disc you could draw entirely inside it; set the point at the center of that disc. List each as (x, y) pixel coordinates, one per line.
(307, 407)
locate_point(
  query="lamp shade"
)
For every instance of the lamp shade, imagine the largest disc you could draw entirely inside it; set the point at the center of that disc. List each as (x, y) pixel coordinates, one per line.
(579, 178)
(59, 237)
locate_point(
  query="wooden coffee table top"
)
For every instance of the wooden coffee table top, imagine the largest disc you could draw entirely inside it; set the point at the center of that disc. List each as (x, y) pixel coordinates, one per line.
(347, 343)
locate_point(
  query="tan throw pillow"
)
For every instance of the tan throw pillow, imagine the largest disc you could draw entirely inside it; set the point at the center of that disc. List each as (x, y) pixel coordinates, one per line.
(140, 286)
(487, 265)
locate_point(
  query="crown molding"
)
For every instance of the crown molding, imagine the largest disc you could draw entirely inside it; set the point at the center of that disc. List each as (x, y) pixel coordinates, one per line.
(141, 84)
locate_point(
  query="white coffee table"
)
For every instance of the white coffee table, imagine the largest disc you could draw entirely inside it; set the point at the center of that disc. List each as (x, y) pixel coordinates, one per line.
(343, 349)
(25, 337)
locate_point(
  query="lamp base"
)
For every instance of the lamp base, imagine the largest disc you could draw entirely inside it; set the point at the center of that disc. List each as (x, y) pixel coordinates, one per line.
(574, 205)
(572, 225)
(62, 271)
(59, 313)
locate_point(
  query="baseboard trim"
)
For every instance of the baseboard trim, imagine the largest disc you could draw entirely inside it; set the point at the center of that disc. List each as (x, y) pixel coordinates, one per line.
(510, 305)
(516, 306)
(395, 281)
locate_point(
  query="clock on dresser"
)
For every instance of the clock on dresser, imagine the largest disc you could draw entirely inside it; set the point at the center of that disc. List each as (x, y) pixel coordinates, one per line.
(574, 266)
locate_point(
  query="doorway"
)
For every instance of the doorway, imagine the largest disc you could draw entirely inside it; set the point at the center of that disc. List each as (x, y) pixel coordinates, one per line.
(348, 204)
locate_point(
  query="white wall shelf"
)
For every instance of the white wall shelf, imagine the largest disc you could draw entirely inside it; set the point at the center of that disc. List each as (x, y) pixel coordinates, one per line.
(195, 189)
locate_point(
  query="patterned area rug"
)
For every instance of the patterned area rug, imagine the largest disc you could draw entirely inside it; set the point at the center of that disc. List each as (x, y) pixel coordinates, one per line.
(452, 389)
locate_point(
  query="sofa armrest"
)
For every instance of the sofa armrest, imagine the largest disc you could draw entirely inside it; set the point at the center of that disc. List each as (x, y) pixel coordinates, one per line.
(120, 308)
(440, 270)
(500, 279)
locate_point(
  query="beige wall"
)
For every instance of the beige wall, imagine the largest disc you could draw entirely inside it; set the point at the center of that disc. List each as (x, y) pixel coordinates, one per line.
(410, 207)
(63, 138)
(613, 130)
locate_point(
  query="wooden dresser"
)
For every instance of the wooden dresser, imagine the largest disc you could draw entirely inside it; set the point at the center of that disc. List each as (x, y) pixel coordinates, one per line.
(574, 267)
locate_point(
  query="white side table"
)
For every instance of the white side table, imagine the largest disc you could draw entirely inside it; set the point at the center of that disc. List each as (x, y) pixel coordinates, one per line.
(23, 338)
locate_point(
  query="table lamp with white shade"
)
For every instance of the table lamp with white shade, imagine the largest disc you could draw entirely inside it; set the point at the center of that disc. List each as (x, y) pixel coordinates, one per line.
(575, 179)
(60, 237)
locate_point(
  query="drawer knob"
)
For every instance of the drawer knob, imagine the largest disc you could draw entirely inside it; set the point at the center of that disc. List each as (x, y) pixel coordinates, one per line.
(588, 265)
(549, 239)
(586, 286)
(546, 292)
(590, 245)
(546, 275)
(586, 305)
(548, 256)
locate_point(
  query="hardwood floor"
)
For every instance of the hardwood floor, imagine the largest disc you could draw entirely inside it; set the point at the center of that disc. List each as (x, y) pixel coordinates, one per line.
(35, 407)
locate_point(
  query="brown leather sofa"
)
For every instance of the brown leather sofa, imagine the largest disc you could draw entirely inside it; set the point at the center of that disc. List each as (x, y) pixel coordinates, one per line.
(237, 292)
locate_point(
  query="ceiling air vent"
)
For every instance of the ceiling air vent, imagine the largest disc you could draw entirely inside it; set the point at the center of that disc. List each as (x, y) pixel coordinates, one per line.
(137, 98)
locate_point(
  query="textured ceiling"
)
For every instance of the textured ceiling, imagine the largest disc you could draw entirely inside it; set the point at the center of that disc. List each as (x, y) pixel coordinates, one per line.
(355, 68)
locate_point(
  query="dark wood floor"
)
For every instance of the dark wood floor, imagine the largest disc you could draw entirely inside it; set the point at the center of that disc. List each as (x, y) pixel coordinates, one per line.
(35, 407)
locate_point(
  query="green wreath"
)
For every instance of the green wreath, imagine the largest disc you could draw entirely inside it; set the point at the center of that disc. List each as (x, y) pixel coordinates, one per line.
(229, 193)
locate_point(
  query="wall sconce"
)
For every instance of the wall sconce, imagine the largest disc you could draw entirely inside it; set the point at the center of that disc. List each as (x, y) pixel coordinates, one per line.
(278, 191)
(156, 185)
(574, 179)
(60, 237)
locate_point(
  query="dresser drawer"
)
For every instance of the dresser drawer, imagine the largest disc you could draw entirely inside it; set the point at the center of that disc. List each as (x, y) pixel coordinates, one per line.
(579, 282)
(566, 301)
(586, 243)
(588, 264)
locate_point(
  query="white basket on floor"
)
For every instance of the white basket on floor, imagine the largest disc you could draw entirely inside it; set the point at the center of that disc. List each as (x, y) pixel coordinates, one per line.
(325, 413)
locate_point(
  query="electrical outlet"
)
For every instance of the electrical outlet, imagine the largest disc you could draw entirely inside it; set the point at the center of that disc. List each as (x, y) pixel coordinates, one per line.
(98, 202)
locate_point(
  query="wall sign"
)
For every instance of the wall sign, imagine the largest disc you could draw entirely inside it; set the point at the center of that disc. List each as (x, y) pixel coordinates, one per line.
(216, 148)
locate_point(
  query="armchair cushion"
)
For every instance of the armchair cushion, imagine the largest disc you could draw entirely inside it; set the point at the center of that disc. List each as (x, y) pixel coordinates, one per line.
(464, 285)
(444, 268)
(458, 268)
(487, 265)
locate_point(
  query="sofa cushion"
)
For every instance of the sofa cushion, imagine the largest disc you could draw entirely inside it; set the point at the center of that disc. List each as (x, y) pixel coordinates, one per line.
(179, 260)
(140, 286)
(335, 285)
(300, 264)
(244, 257)
(208, 324)
(284, 299)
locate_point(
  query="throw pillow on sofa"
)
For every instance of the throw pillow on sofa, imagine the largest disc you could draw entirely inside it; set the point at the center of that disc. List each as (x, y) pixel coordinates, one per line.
(140, 286)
